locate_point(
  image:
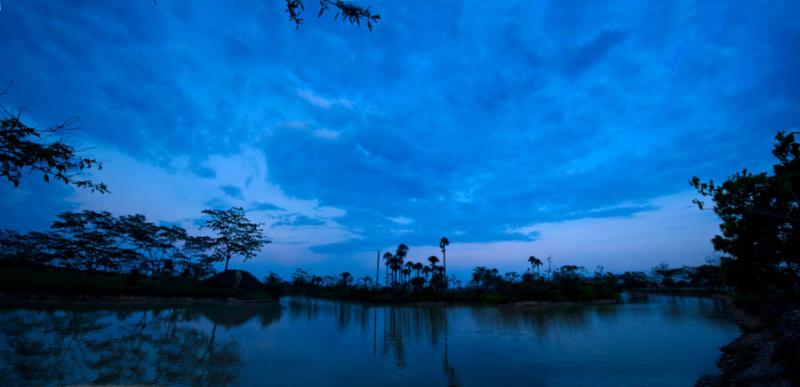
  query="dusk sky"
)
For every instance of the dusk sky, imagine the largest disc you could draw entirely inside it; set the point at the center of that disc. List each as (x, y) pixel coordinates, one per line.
(514, 128)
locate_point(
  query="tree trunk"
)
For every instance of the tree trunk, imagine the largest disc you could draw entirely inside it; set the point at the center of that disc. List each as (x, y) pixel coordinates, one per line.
(227, 259)
(444, 266)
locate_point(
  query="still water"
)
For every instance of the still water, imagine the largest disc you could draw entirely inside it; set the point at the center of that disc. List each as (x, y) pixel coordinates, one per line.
(644, 341)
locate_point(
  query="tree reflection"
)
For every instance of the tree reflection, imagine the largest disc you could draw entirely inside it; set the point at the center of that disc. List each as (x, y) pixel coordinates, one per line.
(125, 345)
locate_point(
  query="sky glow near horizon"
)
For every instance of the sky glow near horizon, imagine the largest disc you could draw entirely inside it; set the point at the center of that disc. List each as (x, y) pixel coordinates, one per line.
(515, 128)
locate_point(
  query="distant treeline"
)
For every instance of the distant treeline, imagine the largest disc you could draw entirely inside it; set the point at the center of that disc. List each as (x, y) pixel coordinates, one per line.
(420, 282)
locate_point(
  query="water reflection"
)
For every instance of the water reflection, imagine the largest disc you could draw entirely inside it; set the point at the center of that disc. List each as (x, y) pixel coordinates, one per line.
(125, 345)
(648, 340)
(617, 339)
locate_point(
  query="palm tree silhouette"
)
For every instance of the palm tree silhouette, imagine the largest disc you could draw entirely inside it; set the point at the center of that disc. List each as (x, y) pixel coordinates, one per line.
(443, 243)
(417, 267)
(535, 263)
(387, 257)
(426, 270)
(400, 254)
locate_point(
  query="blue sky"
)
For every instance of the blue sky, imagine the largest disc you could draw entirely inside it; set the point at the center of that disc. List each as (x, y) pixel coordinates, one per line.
(515, 128)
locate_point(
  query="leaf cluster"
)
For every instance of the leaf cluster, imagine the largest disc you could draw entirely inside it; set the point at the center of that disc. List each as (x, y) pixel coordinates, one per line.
(349, 12)
(24, 148)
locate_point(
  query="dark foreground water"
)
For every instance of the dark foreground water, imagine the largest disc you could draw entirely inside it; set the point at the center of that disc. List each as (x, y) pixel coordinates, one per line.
(646, 341)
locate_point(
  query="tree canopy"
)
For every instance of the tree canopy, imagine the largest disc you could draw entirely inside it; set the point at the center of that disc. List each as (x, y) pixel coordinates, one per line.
(236, 235)
(760, 213)
(348, 12)
(26, 149)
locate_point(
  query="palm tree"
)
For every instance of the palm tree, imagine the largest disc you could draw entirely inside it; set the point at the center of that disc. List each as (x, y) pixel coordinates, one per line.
(426, 270)
(395, 265)
(417, 267)
(443, 243)
(409, 267)
(400, 254)
(535, 263)
(433, 260)
(346, 278)
(387, 256)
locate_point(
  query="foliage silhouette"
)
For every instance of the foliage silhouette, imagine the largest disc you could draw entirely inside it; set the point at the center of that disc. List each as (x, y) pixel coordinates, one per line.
(90, 252)
(236, 235)
(349, 12)
(23, 148)
(760, 229)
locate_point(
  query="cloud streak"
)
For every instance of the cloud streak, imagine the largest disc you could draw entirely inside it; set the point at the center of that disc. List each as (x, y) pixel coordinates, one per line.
(553, 120)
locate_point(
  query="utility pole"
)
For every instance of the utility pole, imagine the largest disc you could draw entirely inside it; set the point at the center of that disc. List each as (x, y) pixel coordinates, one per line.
(378, 270)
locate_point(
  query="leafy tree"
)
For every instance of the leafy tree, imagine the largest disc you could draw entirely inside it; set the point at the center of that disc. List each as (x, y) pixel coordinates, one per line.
(485, 278)
(36, 247)
(92, 240)
(349, 12)
(635, 280)
(199, 261)
(236, 235)
(156, 243)
(23, 148)
(760, 214)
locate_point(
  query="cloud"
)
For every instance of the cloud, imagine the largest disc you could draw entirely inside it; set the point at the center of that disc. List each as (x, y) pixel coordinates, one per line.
(322, 102)
(591, 52)
(401, 220)
(326, 134)
(672, 230)
(176, 195)
(529, 115)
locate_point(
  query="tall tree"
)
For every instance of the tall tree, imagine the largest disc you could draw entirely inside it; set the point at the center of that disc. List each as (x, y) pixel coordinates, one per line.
(92, 240)
(535, 263)
(760, 214)
(443, 243)
(158, 244)
(387, 258)
(236, 235)
(400, 254)
(26, 149)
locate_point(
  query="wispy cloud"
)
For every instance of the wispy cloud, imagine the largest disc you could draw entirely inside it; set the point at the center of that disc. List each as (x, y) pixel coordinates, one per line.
(322, 102)
(542, 119)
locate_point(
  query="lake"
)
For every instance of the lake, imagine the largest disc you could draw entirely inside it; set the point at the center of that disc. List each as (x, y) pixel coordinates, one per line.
(652, 340)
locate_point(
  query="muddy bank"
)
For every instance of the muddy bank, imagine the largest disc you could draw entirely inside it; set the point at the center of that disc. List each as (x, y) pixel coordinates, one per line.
(764, 354)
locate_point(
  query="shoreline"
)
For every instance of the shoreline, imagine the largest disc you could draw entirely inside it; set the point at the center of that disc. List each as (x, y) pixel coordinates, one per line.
(751, 358)
(429, 303)
(11, 299)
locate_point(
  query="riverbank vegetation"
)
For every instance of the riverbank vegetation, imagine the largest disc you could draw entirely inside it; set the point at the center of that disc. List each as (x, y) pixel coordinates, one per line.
(760, 240)
(427, 283)
(92, 253)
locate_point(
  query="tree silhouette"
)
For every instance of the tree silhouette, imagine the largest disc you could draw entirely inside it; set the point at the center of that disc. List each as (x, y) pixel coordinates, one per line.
(535, 263)
(760, 216)
(347, 278)
(443, 243)
(92, 240)
(349, 12)
(23, 148)
(387, 261)
(236, 235)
